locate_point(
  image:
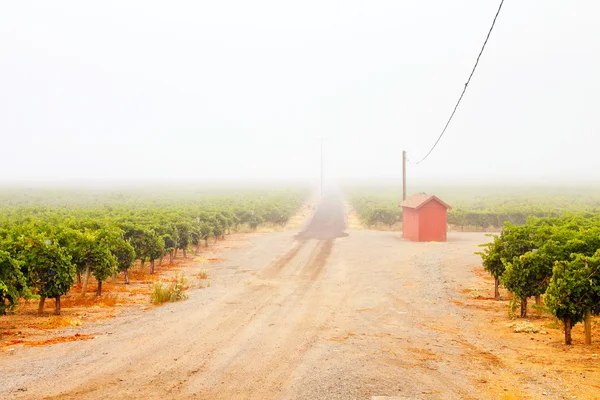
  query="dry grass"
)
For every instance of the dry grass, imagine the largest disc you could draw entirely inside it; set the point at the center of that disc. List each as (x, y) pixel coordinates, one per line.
(170, 292)
(202, 274)
(523, 326)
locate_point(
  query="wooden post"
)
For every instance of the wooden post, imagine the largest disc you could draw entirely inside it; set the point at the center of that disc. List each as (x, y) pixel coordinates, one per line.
(403, 175)
(587, 323)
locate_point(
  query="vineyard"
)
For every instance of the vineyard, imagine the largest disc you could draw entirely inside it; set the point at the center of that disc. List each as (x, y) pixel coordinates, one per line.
(480, 209)
(50, 239)
(557, 258)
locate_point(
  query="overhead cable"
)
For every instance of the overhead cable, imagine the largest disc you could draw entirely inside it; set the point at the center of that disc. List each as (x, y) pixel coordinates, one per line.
(466, 84)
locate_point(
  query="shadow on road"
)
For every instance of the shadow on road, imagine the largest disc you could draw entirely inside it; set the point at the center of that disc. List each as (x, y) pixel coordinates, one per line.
(328, 222)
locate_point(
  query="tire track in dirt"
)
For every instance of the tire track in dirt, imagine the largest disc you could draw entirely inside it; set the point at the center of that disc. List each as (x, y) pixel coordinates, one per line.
(273, 269)
(232, 322)
(275, 353)
(263, 361)
(240, 321)
(315, 268)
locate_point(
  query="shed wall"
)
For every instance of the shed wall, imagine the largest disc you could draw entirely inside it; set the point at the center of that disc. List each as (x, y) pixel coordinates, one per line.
(432, 222)
(410, 223)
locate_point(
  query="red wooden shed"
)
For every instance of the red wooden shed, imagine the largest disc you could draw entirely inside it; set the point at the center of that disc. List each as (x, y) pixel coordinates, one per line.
(424, 218)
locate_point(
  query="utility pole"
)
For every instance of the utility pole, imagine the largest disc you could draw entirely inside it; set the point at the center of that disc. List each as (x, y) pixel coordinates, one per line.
(403, 175)
(321, 166)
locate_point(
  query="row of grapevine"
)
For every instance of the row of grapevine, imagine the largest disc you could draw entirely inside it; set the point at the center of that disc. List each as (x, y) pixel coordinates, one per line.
(381, 208)
(372, 212)
(554, 257)
(44, 248)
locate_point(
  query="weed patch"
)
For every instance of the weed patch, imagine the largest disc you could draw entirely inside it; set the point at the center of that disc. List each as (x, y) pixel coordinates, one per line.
(174, 291)
(524, 326)
(202, 275)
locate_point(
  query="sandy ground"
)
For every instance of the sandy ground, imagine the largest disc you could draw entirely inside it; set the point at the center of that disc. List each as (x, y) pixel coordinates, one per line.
(324, 314)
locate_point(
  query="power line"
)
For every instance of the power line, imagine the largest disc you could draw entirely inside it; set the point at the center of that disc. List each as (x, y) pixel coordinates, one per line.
(466, 84)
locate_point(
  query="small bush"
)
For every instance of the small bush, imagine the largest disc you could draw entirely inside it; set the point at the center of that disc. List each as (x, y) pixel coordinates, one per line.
(168, 293)
(203, 275)
(524, 326)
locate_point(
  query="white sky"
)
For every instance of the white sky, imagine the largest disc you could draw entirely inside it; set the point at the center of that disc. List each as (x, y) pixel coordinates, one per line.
(239, 90)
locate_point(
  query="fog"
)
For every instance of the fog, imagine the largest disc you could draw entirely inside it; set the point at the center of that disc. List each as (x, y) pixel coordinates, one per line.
(122, 91)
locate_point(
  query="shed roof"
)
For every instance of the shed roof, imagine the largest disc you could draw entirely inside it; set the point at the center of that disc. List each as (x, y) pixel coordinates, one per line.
(420, 199)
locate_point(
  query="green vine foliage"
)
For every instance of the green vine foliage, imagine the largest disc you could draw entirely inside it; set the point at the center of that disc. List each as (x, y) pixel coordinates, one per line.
(525, 258)
(124, 254)
(47, 265)
(574, 288)
(13, 285)
(492, 256)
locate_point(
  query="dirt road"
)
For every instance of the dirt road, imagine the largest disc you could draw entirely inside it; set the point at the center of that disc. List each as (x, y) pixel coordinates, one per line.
(323, 314)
